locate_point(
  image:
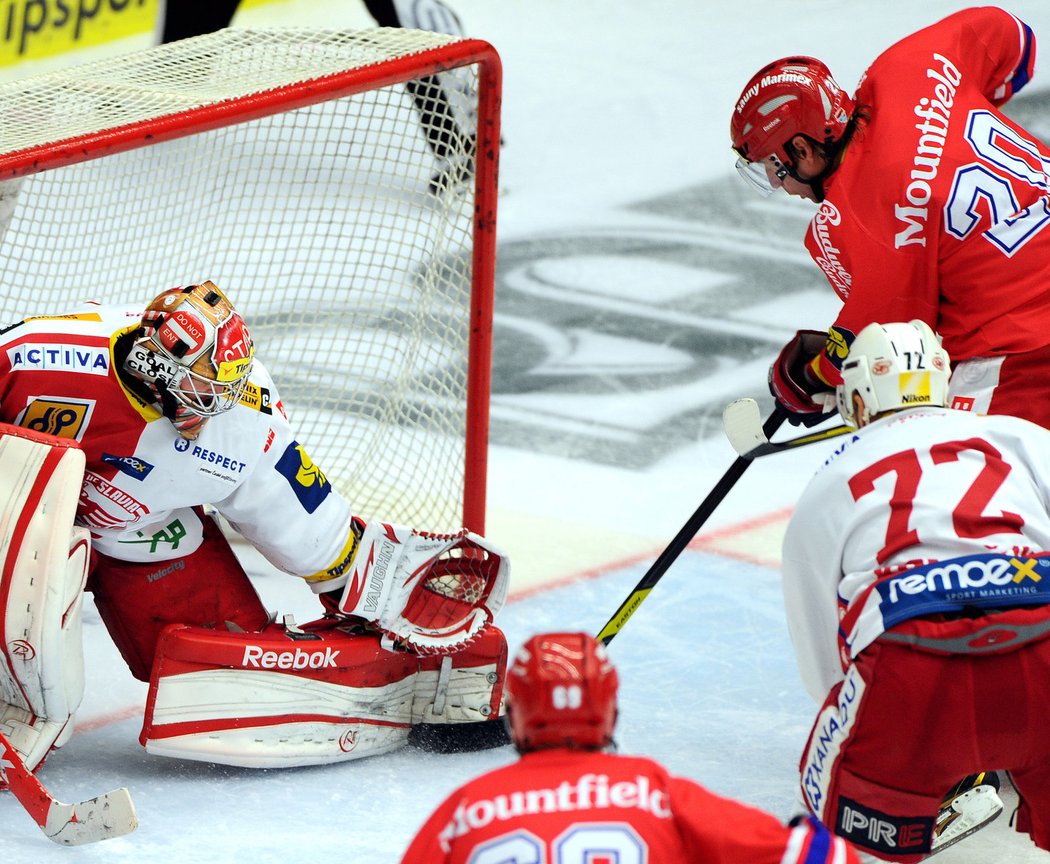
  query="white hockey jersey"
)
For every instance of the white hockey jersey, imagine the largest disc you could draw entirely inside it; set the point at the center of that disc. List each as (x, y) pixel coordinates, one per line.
(143, 481)
(919, 486)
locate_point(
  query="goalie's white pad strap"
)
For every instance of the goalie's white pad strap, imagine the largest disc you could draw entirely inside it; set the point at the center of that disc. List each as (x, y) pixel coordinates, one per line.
(43, 568)
(303, 696)
(434, 592)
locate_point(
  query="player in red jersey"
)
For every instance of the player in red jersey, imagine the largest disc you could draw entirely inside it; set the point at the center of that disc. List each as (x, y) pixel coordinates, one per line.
(917, 593)
(933, 205)
(569, 799)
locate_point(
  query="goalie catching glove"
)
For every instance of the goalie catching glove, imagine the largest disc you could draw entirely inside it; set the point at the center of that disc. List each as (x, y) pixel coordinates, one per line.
(434, 593)
(806, 399)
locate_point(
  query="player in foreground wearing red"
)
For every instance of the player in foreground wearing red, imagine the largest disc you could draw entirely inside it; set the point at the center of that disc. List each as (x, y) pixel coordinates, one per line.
(917, 589)
(923, 185)
(569, 799)
(117, 427)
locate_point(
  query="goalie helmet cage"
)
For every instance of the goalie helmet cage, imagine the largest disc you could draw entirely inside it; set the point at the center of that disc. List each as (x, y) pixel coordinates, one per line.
(339, 186)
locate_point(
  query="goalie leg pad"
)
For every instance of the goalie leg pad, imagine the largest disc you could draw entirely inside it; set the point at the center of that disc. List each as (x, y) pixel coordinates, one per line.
(465, 687)
(43, 567)
(283, 697)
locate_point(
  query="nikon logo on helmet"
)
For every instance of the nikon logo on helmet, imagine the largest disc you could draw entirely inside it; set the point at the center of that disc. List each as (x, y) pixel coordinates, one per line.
(915, 388)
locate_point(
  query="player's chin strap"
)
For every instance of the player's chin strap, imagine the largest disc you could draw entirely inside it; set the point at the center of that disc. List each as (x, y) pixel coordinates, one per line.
(433, 593)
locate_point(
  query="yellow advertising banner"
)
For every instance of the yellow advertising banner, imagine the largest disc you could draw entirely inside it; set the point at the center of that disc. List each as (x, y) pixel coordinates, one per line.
(40, 29)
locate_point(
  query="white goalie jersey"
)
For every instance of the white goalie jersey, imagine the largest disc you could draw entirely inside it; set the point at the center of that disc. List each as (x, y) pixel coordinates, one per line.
(143, 481)
(923, 511)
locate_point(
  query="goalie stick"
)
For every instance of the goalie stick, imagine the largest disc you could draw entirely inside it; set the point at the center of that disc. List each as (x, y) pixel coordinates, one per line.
(683, 537)
(100, 818)
(743, 427)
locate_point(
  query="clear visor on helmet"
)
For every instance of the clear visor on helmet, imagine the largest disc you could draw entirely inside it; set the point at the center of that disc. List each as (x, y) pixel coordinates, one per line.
(762, 176)
(205, 396)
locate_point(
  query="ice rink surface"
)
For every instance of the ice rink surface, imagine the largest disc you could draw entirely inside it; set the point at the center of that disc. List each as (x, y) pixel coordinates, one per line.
(641, 287)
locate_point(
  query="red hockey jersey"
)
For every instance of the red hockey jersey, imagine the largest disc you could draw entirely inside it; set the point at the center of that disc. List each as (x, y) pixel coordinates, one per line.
(940, 207)
(564, 805)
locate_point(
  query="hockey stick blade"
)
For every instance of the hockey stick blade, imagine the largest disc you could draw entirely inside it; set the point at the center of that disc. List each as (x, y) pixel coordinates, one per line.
(743, 427)
(100, 818)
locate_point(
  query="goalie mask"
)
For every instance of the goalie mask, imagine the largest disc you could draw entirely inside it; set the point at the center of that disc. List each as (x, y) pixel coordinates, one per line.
(194, 353)
(561, 692)
(789, 97)
(892, 366)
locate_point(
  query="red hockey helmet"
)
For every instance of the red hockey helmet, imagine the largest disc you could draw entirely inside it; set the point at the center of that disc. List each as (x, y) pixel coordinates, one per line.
(789, 97)
(561, 692)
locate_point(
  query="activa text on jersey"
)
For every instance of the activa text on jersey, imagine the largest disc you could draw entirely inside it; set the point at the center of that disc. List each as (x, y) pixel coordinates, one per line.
(589, 792)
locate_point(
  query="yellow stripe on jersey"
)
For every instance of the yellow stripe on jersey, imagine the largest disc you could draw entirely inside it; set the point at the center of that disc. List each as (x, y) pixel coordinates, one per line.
(341, 563)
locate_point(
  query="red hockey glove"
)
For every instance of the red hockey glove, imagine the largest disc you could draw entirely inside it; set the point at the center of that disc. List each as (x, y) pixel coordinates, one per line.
(791, 385)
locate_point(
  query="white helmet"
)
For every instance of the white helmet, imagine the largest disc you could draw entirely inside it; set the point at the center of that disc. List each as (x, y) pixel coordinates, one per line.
(893, 366)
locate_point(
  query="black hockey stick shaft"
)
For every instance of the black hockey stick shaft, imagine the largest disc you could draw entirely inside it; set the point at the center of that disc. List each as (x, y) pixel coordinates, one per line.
(801, 441)
(683, 537)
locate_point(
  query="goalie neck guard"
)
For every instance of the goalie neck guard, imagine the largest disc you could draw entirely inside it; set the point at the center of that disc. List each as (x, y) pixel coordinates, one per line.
(561, 692)
(892, 366)
(194, 353)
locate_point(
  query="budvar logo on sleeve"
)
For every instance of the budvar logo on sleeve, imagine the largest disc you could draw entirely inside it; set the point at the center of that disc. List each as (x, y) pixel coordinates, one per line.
(49, 357)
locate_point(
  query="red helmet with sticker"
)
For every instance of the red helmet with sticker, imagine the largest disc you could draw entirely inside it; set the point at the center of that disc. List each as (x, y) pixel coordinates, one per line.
(561, 692)
(193, 346)
(789, 97)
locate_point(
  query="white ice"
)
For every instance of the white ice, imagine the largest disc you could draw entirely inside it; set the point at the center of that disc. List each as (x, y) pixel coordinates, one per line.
(607, 103)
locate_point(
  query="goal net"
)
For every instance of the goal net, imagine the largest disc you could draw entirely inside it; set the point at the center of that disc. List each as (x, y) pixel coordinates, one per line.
(340, 187)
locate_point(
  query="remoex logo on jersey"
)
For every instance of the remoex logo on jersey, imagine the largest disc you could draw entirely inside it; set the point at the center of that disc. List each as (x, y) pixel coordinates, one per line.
(259, 658)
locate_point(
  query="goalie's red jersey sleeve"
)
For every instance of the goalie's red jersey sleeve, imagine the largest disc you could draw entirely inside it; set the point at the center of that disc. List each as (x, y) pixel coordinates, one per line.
(562, 805)
(939, 209)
